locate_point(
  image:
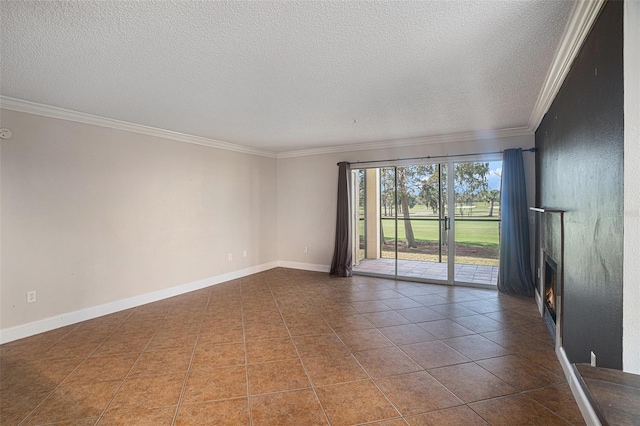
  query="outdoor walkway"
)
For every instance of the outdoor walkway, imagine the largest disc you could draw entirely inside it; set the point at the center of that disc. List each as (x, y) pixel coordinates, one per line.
(476, 274)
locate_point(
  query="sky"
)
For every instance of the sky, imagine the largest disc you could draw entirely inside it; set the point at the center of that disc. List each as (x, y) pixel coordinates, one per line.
(495, 171)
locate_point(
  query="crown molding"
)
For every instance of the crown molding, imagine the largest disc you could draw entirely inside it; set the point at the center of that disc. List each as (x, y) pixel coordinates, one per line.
(400, 143)
(580, 22)
(80, 117)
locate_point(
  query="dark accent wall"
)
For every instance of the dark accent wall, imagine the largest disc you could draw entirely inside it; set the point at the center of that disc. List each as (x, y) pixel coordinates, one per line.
(579, 164)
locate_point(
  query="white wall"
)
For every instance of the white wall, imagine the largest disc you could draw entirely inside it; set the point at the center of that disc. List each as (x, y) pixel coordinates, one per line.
(92, 215)
(631, 269)
(307, 188)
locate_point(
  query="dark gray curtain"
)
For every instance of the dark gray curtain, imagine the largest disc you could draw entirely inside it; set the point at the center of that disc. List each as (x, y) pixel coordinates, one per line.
(341, 263)
(514, 276)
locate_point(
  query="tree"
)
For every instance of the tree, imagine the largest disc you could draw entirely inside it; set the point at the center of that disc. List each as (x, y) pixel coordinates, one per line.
(404, 202)
(412, 200)
(430, 188)
(409, 183)
(387, 190)
(387, 196)
(470, 181)
(491, 196)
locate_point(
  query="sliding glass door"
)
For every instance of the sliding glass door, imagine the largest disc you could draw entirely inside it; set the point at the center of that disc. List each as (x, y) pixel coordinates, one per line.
(410, 225)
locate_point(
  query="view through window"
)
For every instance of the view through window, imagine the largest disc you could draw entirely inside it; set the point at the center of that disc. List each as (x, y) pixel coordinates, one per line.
(410, 224)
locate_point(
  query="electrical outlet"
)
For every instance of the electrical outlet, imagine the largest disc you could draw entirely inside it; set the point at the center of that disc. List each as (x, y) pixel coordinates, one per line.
(306, 250)
(593, 359)
(244, 253)
(230, 257)
(31, 296)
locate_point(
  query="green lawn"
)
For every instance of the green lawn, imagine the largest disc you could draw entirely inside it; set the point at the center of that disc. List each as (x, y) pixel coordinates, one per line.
(482, 234)
(468, 232)
(476, 235)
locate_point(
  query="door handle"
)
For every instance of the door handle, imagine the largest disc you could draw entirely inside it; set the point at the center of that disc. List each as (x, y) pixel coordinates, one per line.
(446, 223)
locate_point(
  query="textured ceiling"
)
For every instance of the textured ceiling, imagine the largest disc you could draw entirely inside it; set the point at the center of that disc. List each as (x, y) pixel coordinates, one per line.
(284, 76)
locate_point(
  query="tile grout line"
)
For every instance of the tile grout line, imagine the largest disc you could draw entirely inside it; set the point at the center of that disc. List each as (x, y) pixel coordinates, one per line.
(193, 354)
(447, 302)
(304, 367)
(425, 370)
(476, 363)
(520, 393)
(77, 366)
(473, 332)
(133, 366)
(365, 370)
(491, 373)
(59, 384)
(246, 354)
(438, 340)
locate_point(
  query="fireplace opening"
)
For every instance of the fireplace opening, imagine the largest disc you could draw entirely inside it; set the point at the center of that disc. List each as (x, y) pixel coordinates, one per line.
(550, 280)
(550, 293)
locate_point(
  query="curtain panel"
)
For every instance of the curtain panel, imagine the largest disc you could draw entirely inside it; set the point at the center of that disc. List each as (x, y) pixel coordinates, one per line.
(341, 265)
(514, 275)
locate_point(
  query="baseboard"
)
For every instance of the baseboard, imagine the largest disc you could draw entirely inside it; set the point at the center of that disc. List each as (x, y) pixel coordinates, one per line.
(304, 266)
(539, 303)
(25, 330)
(584, 405)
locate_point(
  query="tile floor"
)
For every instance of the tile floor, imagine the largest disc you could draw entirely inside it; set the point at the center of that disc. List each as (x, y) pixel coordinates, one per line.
(475, 274)
(294, 347)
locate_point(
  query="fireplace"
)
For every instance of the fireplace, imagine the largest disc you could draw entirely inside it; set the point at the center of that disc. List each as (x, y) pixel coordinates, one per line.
(550, 293)
(550, 266)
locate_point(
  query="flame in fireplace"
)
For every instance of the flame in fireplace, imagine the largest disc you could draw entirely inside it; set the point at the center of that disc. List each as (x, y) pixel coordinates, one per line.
(551, 301)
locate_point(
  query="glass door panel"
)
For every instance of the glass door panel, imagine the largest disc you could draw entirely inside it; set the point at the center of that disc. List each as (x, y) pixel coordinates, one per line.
(477, 221)
(422, 224)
